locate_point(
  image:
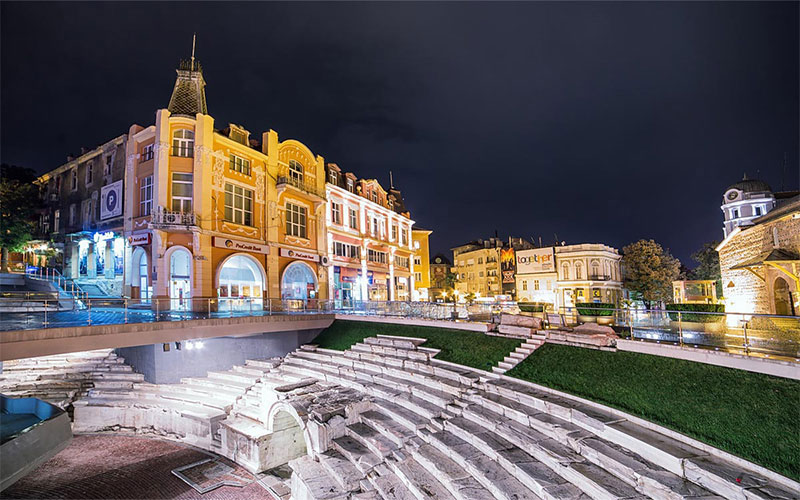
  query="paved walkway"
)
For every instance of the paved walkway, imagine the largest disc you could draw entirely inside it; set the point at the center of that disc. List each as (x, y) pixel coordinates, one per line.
(110, 467)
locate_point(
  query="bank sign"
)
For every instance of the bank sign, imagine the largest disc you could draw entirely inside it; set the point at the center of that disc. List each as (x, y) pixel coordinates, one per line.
(241, 246)
(537, 260)
(297, 254)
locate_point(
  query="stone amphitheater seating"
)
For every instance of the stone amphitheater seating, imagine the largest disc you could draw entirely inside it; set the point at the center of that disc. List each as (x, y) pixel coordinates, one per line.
(64, 378)
(386, 420)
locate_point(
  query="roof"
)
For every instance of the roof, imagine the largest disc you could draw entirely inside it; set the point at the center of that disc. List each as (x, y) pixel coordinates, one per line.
(775, 255)
(189, 94)
(750, 185)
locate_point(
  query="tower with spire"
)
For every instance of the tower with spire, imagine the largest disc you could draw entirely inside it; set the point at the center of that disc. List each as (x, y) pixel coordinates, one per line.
(189, 95)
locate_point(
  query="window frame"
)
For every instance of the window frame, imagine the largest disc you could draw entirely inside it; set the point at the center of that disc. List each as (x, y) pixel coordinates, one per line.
(296, 220)
(336, 213)
(239, 164)
(353, 218)
(183, 143)
(145, 201)
(297, 173)
(89, 175)
(182, 199)
(242, 215)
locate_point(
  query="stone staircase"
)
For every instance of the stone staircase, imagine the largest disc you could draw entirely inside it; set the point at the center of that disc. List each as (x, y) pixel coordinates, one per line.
(65, 378)
(190, 411)
(520, 353)
(437, 430)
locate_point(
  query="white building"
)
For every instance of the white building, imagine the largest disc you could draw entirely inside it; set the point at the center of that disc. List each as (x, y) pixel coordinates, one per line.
(744, 201)
(589, 272)
(536, 276)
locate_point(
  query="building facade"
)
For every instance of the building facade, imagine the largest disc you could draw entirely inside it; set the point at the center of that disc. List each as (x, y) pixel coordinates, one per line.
(215, 214)
(81, 225)
(588, 272)
(422, 269)
(486, 267)
(440, 268)
(748, 200)
(536, 276)
(369, 243)
(760, 263)
(694, 291)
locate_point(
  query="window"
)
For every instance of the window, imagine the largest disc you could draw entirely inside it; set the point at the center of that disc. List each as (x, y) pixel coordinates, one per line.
(58, 185)
(535, 284)
(524, 286)
(147, 153)
(480, 260)
(350, 185)
(183, 143)
(374, 226)
(332, 176)
(578, 271)
(734, 213)
(565, 272)
(354, 218)
(375, 197)
(336, 213)
(239, 164)
(394, 232)
(72, 211)
(56, 221)
(376, 256)
(238, 205)
(480, 274)
(89, 173)
(417, 260)
(595, 270)
(295, 220)
(146, 196)
(74, 178)
(107, 168)
(295, 172)
(758, 211)
(346, 250)
(181, 192)
(87, 212)
(418, 276)
(401, 261)
(404, 234)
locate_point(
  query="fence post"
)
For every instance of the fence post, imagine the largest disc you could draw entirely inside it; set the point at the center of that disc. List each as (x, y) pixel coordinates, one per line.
(746, 343)
(156, 309)
(126, 310)
(45, 313)
(90, 312)
(680, 327)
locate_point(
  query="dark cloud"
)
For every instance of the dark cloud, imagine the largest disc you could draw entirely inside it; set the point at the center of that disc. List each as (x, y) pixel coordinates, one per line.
(593, 121)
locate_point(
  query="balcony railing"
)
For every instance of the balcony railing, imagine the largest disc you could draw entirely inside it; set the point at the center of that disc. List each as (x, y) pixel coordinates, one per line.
(285, 177)
(170, 218)
(600, 277)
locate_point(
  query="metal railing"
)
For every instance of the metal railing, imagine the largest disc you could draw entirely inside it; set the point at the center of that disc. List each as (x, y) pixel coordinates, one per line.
(285, 177)
(764, 335)
(166, 217)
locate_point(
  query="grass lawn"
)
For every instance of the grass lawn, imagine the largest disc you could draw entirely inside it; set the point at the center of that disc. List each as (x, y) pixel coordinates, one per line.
(458, 346)
(751, 415)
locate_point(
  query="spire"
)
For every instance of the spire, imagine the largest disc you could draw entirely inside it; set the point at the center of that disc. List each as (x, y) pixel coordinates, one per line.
(189, 94)
(391, 181)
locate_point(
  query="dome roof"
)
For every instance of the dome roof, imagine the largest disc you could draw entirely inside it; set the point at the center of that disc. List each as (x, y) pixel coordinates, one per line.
(750, 185)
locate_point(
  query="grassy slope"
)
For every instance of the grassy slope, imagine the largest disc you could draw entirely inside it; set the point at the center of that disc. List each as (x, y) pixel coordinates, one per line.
(458, 346)
(752, 415)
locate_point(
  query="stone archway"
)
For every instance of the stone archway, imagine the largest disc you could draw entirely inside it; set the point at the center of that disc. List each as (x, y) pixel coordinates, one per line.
(287, 438)
(782, 297)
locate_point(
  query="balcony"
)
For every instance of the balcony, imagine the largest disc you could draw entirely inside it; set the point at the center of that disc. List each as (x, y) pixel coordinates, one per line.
(289, 179)
(169, 219)
(600, 277)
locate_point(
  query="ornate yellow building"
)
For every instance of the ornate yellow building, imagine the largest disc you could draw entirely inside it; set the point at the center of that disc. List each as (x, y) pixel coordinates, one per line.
(213, 213)
(422, 266)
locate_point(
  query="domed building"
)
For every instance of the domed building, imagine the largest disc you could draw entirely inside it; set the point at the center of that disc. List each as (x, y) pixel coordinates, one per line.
(745, 201)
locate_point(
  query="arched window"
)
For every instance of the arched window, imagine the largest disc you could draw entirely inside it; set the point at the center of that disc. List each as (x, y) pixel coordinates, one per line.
(565, 271)
(578, 271)
(595, 269)
(183, 143)
(295, 172)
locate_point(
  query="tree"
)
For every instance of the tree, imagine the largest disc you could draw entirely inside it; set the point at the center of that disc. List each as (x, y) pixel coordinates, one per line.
(650, 271)
(19, 200)
(707, 268)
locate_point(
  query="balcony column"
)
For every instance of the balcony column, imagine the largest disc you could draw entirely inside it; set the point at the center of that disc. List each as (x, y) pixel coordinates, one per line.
(392, 284)
(364, 284)
(91, 263)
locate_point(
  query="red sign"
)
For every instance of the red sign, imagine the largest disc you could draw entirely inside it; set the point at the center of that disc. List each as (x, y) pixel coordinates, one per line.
(240, 245)
(139, 239)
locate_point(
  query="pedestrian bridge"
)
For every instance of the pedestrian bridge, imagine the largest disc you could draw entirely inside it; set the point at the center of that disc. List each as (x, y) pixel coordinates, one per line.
(18, 344)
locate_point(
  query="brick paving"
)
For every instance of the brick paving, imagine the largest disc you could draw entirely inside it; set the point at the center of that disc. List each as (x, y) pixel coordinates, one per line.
(125, 467)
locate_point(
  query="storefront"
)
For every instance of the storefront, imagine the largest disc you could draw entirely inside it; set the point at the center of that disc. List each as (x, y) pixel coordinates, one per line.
(377, 286)
(180, 278)
(346, 286)
(402, 288)
(299, 282)
(240, 283)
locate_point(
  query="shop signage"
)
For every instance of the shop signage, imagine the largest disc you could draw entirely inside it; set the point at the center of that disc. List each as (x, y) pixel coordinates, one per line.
(296, 254)
(111, 200)
(507, 265)
(98, 237)
(536, 260)
(139, 239)
(241, 246)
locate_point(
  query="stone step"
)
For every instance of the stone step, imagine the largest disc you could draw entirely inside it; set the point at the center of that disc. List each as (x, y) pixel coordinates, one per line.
(415, 477)
(242, 378)
(175, 392)
(310, 480)
(113, 384)
(249, 370)
(411, 419)
(185, 409)
(222, 383)
(246, 427)
(392, 351)
(486, 471)
(458, 481)
(265, 364)
(394, 431)
(212, 389)
(389, 485)
(128, 376)
(371, 439)
(361, 457)
(498, 370)
(249, 412)
(341, 469)
(510, 361)
(519, 356)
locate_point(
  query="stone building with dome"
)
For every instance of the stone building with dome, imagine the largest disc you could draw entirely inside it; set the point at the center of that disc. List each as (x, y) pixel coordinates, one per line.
(747, 200)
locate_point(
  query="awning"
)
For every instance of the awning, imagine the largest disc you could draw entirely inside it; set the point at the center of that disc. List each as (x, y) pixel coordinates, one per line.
(776, 258)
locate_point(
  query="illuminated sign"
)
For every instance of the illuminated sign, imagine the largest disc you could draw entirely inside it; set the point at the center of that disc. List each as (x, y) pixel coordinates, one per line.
(111, 200)
(507, 264)
(139, 239)
(536, 260)
(297, 254)
(108, 235)
(242, 246)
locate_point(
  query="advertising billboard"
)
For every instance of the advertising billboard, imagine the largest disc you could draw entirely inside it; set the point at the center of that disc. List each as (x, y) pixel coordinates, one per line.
(111, 200)
(536, 260)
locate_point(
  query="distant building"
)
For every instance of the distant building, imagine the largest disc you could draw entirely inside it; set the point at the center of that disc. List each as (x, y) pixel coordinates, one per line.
(588, 272)
(486, 267)
(537, 277)
(422, 270)
(694, 292)
(760, 263)
(440, 267)
(82, 222)
(747, 200)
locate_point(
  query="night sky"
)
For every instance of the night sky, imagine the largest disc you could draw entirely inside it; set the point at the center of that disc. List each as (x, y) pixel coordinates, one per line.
(596, 122)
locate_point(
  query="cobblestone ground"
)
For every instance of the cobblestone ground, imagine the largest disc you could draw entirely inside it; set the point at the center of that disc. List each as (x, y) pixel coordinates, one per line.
(106, 467)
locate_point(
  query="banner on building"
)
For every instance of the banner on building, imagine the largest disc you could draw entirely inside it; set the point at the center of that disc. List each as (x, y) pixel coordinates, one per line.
(111, 200)
(297, 254)
(507, 265)
(238, 245)
(139, 239)
(536, 260)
